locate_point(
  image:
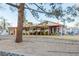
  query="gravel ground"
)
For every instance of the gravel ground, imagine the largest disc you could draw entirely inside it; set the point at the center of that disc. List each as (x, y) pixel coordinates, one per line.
(39, 46)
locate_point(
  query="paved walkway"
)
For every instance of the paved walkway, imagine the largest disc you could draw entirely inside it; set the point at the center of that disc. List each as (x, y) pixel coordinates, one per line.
(40, 46)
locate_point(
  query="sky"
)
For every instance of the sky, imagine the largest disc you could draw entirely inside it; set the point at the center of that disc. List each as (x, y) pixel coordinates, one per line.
(12, 16)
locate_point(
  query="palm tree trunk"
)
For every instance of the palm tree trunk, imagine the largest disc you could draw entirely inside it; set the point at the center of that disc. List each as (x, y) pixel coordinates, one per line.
(20, 23)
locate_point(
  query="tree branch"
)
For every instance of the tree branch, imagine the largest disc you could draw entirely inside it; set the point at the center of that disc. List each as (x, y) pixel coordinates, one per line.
(37, 10)
(33, 9)
(25, 7)
(29, 8)
(12, 5)
(40, 8)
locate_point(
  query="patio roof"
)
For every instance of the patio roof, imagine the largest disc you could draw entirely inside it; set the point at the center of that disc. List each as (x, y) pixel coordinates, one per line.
(49, 23)
(43, 24)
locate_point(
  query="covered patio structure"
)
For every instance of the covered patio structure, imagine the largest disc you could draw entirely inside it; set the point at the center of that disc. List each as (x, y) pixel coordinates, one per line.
(45, 28)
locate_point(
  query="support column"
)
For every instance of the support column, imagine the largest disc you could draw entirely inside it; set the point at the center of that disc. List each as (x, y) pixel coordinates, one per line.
(61, 29)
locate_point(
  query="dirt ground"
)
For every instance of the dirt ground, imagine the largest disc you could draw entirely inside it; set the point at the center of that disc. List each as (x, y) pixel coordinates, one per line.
(41, 45)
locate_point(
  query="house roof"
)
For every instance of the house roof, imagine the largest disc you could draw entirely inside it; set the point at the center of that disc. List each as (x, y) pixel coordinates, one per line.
(45, 23)
(49, 23)
(27, 24)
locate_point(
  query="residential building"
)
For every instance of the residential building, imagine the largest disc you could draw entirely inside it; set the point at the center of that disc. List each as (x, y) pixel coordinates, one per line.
(44, 28)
